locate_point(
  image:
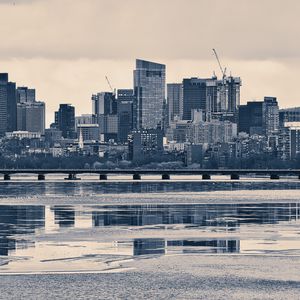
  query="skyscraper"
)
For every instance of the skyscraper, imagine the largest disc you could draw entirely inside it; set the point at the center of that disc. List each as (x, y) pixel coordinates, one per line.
(149, 92)
(219, 99)
(31, 117)
(259, 117)
(105, 112)
(175, 101)
(194, 96)
(24, 94)
(65, 120)
(104, 103)
(124, 112)
(8, 105)
(30, 113)
(271, 115)
(251, 118)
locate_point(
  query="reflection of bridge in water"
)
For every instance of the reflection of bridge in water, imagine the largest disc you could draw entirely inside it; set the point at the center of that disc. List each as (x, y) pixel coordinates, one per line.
(165, 174)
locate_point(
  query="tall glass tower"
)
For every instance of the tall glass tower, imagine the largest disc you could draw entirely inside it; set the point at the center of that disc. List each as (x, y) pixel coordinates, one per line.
(149, 92)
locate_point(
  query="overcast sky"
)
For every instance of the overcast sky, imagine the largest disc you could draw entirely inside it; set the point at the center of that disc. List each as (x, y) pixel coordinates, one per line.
(64, 48)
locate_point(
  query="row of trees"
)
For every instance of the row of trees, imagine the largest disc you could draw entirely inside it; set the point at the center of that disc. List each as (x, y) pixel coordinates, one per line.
(95, 162)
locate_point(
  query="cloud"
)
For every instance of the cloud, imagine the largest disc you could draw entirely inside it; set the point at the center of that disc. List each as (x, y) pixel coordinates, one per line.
(64, 48)
(176, 29)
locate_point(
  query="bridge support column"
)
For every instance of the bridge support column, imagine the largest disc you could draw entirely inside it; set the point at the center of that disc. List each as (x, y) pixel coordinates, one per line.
(72, 176)
(206, 176)
(103, 177)
(274, 176)
(41, 177)
(234, 176)
(136, 176)
(6, 176)
(165, 176)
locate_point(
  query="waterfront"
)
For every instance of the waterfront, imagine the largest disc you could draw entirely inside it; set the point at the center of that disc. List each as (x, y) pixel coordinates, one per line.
(150, 239)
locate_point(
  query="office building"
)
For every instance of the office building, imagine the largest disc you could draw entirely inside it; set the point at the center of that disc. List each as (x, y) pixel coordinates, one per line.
(8, 105)
(104, 103)
(124, 112)
(219, 99)
(149, 92)
(145, 144)
(104, 107)
(271, 115)
(24, 95)
(194, 96)
(85, 119)
(65, 121)
(251, 118)
(31, 117)
(174, 101)
(88, 132)
(259, 117)
(289, 115)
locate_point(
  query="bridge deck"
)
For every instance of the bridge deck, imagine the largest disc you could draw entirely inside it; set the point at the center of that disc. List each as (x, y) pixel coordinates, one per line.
(156, 171)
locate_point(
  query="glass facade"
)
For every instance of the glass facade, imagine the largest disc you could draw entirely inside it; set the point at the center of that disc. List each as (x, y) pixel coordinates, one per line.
(149, 89)
(175, 101)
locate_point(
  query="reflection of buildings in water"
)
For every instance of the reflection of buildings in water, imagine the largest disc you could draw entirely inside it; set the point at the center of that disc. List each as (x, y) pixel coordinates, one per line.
(149, 246)
(15, 220)
(209, 246)
(230, 216)
(141, 215)
(269, 213)
(152, 246)
(64, 215)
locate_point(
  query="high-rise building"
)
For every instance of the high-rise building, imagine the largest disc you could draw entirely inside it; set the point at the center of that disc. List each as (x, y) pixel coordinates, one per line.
(8, 105)
(194, 96)
(11, 107)
(271, 115)
(251, 118)
(175, 101)
(145, 144)
(104, 104)
(124, 112)
(219, 99)
(30, 113)
(259, 117)
(85, 119)
(289, 115)
(31, 117)
(149, 91)
(105, 112)
(24, 94)
(65, 120)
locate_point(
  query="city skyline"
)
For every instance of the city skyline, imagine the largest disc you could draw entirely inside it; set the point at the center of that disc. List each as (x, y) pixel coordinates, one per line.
(41, 50)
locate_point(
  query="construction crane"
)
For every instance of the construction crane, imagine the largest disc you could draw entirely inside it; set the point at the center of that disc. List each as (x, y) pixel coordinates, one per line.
(110, 86)
(223, 71)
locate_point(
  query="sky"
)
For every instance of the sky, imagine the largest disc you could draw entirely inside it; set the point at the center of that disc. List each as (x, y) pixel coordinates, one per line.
(65, 48)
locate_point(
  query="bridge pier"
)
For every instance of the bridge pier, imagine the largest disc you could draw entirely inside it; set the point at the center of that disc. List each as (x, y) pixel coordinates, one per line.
(206, 176)
(165, 176)
(234, 176)
(72, 176)
(103, 177)
(6, 176)
(274, 176)
(136, 176)
(41, 177)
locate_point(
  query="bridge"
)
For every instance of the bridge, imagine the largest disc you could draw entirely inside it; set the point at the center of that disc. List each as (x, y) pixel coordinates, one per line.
(165, 174)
